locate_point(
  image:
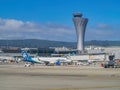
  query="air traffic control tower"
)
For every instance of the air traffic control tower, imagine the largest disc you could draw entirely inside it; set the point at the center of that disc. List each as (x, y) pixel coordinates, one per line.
(80, 26)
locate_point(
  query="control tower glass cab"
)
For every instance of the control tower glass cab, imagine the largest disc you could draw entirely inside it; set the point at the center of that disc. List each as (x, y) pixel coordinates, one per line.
(80, 26)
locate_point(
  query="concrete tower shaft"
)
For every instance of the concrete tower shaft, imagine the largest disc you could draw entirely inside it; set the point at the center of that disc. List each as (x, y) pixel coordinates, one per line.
(80, 26)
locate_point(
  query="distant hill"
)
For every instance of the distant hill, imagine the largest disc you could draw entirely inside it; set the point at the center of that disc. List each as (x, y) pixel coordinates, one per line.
(36, 43)
(102, 43)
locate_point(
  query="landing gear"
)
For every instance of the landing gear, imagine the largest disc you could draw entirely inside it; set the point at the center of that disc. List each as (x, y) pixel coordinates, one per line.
(27, 65)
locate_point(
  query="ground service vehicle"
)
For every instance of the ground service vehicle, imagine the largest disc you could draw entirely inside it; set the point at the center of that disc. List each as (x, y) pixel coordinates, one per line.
(113, 63)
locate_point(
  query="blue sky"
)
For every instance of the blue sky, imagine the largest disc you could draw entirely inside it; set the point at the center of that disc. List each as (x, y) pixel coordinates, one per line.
(52, 19)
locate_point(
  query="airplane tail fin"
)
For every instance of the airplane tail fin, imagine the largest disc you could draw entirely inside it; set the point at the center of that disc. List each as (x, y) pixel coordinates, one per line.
(25, 55)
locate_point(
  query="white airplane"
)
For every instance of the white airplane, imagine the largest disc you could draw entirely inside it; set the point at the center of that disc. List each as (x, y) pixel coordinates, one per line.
(54, 60)
(44, 60)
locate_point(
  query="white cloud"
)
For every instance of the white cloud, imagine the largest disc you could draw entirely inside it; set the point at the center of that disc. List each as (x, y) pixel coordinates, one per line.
(102, 26)
(103, 32)
(17, 29)
(6, 24)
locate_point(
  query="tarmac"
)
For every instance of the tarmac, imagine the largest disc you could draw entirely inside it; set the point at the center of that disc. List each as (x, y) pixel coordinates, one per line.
(18, 77)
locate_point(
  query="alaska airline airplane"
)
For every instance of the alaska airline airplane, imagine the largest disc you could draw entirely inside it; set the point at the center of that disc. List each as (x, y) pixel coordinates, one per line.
(54, 60)
(28, 58)
(44, 60)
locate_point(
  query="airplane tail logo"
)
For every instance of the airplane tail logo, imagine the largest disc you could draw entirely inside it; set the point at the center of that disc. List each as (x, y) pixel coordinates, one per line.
(25, 55)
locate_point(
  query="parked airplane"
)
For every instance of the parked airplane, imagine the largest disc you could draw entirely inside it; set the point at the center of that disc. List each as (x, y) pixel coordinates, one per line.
(54, 60)
(44, 60)
(28, 58)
